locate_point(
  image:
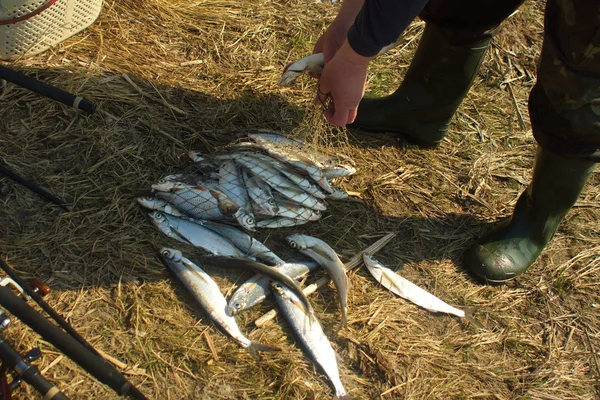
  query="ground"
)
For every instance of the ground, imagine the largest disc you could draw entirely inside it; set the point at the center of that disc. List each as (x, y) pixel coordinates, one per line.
(172, 76)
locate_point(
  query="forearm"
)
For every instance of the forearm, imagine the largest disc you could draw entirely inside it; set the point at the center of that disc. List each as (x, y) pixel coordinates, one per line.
(380, 23)
(349, 10)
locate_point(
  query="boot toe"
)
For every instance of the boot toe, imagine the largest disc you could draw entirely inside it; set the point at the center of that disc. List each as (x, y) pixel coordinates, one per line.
(492, 266)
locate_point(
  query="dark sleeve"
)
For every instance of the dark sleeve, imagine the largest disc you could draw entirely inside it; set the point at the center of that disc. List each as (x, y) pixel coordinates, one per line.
(381, 22)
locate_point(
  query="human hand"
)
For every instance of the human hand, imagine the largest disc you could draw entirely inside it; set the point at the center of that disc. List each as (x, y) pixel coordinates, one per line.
(342, 85)
(335, 35)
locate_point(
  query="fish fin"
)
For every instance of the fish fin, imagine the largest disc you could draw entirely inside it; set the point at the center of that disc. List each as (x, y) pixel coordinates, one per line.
(256, 347)
(344, 323)
(469, 317)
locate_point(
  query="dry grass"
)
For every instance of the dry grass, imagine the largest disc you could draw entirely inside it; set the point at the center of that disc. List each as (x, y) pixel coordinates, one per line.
(170, 76)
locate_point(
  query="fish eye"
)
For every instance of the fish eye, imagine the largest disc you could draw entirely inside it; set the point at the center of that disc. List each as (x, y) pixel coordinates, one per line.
(250, 221)
(166, 253)
(237, 306)
(293, 244)
(317, 212)
(271, 201)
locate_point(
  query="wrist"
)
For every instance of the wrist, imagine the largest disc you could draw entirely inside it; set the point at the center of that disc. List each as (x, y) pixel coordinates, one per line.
(348, 54)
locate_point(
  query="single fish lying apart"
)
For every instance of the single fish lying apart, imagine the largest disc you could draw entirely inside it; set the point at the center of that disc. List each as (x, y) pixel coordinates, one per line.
(257, 288)
(324, 255)
(311, 335)
(411, 292)
(207, 293)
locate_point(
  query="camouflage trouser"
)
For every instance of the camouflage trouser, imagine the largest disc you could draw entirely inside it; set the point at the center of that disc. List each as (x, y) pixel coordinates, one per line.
(564, 105)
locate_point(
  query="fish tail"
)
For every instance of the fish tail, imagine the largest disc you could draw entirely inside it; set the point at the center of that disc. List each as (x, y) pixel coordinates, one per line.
(469, 312)
(256, 347)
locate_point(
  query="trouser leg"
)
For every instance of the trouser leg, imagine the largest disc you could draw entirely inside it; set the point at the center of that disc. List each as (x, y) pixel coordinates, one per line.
(444, 66)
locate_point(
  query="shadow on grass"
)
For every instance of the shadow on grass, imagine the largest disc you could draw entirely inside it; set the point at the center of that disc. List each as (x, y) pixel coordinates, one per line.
(139, 133)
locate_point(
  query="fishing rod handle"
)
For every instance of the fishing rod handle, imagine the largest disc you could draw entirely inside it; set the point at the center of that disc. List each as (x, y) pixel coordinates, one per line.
(44, 89)
(92, 363)
(29, 373)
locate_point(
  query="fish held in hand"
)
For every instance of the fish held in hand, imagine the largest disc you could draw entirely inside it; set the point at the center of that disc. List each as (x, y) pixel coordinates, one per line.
(206, 291)
(313, 63)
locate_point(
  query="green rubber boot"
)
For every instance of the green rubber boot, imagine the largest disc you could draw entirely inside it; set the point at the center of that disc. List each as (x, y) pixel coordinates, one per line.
(507, 251)
(438, 79)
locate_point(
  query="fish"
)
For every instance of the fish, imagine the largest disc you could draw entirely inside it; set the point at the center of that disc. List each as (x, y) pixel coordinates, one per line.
(273, 273)
(196, 201)
(313, 63)
(338, 171)
(284, 144)
(188, 231)
(257, 288)
(157, 204)
(260, 195)
(311, 336)
(323, 254)
(293, 210)
(246, 243)
(207, 293)
(282, 222)
(301, 163)
(244, 215)
(411, 292)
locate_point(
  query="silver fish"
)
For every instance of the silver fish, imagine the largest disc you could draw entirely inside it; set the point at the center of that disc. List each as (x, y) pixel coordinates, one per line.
(260, 195)
(293, 210)
(322, 253)
(243, 216)
(244, 242)
(272, 273)
(157, 204)
(207, 293)
(301, 163)
(338, 171)
(281, 222)
(257, 288)
(187, 231)
(311, 335)
(313, 63)
(408, 290)
(196, 201)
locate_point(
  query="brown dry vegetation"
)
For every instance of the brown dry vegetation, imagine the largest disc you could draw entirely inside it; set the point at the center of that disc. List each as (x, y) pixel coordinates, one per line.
(171, 76)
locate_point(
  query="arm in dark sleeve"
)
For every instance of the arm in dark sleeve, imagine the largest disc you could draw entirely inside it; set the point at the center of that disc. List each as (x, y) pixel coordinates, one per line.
(380, 23)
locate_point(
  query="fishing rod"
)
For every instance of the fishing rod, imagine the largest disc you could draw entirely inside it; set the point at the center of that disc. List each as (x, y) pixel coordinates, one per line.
(44, 89)
(20, 365)
(31, 186)
(89, 360)
(36, 290)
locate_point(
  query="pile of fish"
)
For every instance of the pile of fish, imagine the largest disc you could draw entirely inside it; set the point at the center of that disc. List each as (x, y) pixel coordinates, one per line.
(279, 280)
(269, 181)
